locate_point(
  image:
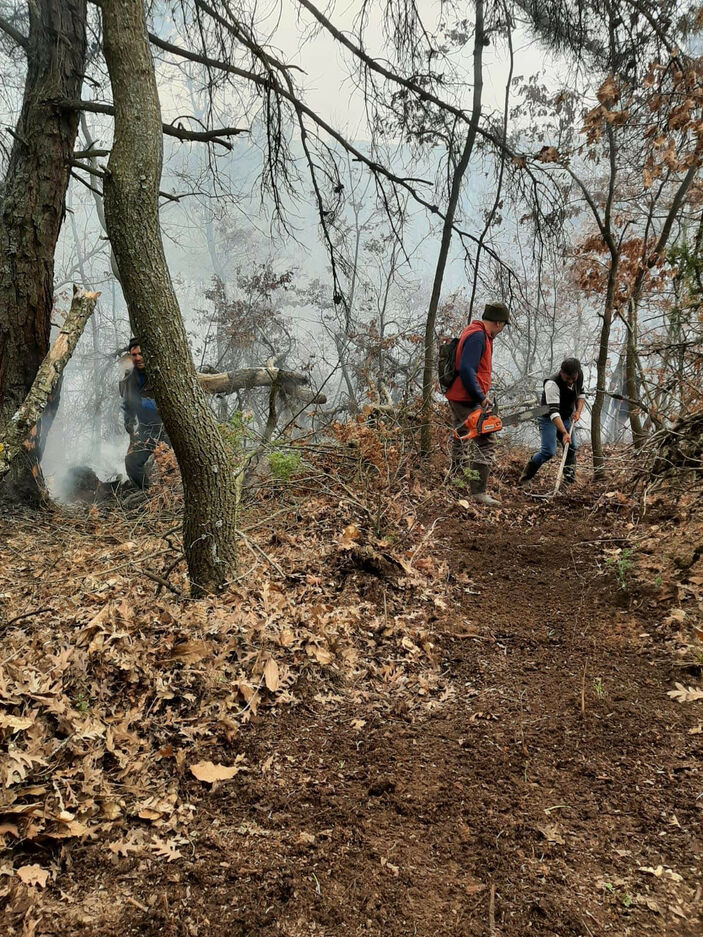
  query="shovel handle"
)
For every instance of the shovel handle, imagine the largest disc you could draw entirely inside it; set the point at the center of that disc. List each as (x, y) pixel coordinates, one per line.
(560, 473)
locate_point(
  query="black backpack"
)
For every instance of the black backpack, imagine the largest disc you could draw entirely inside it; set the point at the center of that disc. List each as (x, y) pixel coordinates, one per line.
(446, 363)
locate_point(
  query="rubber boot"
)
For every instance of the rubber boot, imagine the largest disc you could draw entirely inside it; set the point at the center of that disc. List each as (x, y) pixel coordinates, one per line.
(570, 468)
(528, 472)
(478, 485)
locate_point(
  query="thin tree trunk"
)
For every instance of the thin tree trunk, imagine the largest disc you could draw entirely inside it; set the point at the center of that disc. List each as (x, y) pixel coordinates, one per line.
(31, 213)
(428, 368)
(13, 438)
(601, 366)
(631, 377)
(131, 189)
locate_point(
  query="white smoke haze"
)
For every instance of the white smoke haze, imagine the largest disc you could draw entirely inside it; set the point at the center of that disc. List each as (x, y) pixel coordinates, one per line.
(225, 228)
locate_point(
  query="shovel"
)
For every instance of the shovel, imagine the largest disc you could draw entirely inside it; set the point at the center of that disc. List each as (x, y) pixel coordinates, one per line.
(557, 483)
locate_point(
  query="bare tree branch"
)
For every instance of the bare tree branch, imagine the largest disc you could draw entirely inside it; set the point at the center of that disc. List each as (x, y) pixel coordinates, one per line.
(180, 133)
(15, 34)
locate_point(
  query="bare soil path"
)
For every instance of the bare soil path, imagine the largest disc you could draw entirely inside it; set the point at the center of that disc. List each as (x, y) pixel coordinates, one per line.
(559, 792)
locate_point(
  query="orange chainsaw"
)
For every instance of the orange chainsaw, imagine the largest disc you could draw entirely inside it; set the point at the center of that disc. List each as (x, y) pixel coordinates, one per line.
(485, 419)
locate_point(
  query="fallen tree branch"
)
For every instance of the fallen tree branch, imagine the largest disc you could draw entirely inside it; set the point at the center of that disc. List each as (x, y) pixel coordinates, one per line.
(14, 435)
(163, 583)
(36, 611)
(291, 382)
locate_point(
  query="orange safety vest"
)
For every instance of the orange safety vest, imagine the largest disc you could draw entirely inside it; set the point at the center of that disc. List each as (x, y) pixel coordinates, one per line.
(457, 392)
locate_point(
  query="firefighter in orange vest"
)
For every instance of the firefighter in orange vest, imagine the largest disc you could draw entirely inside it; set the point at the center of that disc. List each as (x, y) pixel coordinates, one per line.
(469, 390)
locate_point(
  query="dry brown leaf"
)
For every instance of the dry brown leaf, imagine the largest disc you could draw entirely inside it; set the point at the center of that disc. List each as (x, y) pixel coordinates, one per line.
(271, 675)
(167, 849)
(16, 723)
(70, 830)
(33, 875)
(661, 871)
(123, 847)
(684, 694)
(349, 535)
(190, 652)
(209, 772)
(552, 834)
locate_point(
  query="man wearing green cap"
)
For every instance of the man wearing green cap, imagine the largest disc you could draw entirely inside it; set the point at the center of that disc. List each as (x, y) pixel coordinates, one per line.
(469, 390)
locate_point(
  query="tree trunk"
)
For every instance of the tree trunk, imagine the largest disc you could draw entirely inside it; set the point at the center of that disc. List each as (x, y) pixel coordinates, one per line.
(131, 189)
(428, 368)
(14, 436)
(601, 367)
(631, 389)
(31, 212)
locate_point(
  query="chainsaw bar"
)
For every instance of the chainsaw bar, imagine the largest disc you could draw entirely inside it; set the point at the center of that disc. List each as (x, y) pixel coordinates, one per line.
(522, 416)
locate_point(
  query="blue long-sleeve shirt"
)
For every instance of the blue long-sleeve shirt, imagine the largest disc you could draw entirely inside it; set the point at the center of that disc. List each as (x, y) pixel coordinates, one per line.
(468, 364)
(136, 404)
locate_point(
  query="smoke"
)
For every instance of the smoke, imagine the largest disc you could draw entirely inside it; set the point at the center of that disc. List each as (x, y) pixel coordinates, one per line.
(62, 457)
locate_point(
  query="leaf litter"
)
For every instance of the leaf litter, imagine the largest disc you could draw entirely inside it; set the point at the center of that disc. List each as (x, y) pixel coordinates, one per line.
(109, 690)
(115, 697)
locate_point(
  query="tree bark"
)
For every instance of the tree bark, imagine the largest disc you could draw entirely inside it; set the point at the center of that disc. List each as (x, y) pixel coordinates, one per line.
(32, 210)
(15, 434)
(428, 368)
(131, 187)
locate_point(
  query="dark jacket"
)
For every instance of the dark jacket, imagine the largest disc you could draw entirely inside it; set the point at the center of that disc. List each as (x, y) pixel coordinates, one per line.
(559, 397)
(138, 404)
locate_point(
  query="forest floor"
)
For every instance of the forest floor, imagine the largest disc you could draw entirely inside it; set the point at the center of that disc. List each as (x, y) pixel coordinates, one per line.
(466, 732)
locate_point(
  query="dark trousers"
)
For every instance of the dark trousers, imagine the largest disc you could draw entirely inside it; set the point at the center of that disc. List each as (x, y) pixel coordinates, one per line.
(484, 450)
(141, 448)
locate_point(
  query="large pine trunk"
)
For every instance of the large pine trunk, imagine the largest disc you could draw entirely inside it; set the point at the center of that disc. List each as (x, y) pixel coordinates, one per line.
(31, 212)
(132, 216)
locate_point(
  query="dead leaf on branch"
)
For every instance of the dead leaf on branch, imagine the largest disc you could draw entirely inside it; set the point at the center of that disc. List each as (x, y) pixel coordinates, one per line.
(616, 118)
(608, 93)
(548, 154)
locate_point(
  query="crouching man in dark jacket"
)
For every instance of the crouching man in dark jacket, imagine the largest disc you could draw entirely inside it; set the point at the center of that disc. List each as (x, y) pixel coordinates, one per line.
(563, 394)
(141, 418)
